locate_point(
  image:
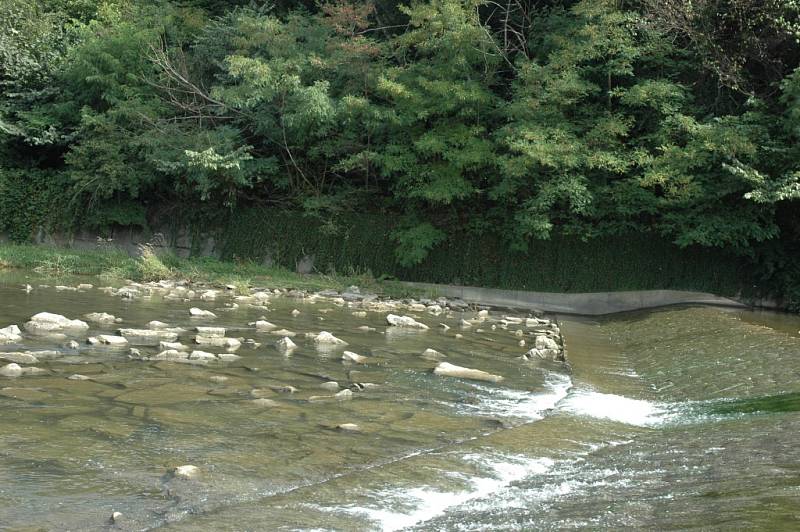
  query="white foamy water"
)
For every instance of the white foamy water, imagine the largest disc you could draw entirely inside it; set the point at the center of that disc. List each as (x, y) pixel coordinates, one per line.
(616, 408)
(528, 406)
(427, 503)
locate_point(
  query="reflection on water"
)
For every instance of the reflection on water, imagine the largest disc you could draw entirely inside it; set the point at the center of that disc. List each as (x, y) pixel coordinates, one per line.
(668, 419)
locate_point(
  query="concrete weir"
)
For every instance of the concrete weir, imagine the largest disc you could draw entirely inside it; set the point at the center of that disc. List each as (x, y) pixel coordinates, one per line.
(592, 303)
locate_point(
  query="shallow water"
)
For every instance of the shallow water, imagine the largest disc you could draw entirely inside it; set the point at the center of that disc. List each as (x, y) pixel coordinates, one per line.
(667, 419)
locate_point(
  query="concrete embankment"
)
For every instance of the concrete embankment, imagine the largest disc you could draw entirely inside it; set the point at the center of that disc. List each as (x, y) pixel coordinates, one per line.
(594, 303)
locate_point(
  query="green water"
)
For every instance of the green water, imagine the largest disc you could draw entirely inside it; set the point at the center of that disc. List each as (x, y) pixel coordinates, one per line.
(679, 418)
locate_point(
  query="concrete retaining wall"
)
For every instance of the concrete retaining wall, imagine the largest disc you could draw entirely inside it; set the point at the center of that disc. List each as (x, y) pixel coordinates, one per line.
(594, 304)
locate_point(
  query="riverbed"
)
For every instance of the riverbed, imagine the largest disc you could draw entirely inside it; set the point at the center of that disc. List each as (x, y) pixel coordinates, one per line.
(670, 418)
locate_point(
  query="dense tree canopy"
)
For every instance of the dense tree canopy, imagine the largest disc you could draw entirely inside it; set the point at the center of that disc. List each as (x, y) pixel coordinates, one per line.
(517, 119)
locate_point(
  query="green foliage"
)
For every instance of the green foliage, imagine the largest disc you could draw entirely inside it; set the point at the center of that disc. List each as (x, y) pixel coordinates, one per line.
(149, 266)
(410, 135)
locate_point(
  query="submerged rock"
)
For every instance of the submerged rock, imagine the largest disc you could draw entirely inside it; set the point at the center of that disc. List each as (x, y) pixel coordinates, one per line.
(450, 370)
(269, 403)
(432, 354)
(228, 357)
(78, 377)
(344, 395)
(349, 356)
(283, 332)
(405, 321)
(200, 313)
(202, 355)
(349, 427)
(331, 386)
(46, 322)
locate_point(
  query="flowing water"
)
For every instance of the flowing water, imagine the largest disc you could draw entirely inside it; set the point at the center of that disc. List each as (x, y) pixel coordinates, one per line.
(676, 418)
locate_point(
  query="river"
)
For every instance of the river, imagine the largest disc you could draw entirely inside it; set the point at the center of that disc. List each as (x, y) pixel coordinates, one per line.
(664, 419)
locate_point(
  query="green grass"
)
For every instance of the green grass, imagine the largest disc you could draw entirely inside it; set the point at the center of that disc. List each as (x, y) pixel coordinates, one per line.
(114, 265)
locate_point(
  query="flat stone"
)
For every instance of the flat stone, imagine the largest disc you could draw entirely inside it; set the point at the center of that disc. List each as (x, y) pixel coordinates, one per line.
(405, 321)
(450, 370)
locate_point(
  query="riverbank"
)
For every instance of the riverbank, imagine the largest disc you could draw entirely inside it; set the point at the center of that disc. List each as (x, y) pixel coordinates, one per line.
(112, 265)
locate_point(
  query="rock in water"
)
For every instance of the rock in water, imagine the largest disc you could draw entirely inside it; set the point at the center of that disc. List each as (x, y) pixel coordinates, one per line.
(450, 370)
(45, 322)
(405, 321)
(349, 427)
(285, 344)
(326, 338)
(10, 334)
(349, 356)
(186, 472)
(432, 354)
(100, 317)
(113, 341)
(200, 313)
(211, 332)
(11, 370)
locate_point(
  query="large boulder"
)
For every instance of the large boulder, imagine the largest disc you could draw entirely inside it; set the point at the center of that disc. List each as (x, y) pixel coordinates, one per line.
(451, 370)
(405, 321)
(48, 323)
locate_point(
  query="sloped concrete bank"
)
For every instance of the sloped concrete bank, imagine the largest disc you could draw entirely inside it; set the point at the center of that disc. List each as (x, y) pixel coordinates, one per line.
(592, 304)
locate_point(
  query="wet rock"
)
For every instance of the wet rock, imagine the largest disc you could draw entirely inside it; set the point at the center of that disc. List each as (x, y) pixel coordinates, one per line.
(348, 427)
(164, 346)
(19, 358)
(264, 402)
(46, 322)
(72, 344)
(113, 341)
(231, 344)
(263, 325)
(24, 394)
(211, 332)
(483, 314)
(444, 326)
(362, 386)
(228, 357)
(100, 317)
(209, 295)
(116, 518)
(326, 338)
(417, 307)
(10, 334)
(295, 313)
(432, 354)
(360, 314)
(519, 332)
(186, 472)
(202, 355)
(331, 386)
(284, 389)
(366, 328)
(157, 325)
(434, 309)
(465, 324)
(78, 377)
(450, 370)
(283, 332)
(171, 354)
(545, 342)
(11, 370)
(147, 336)
(349, 356)
(344, 395)
(93, 340)
(405, 321)
(285, 344)
(218, 379)
(522, 343)
(195, 312)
